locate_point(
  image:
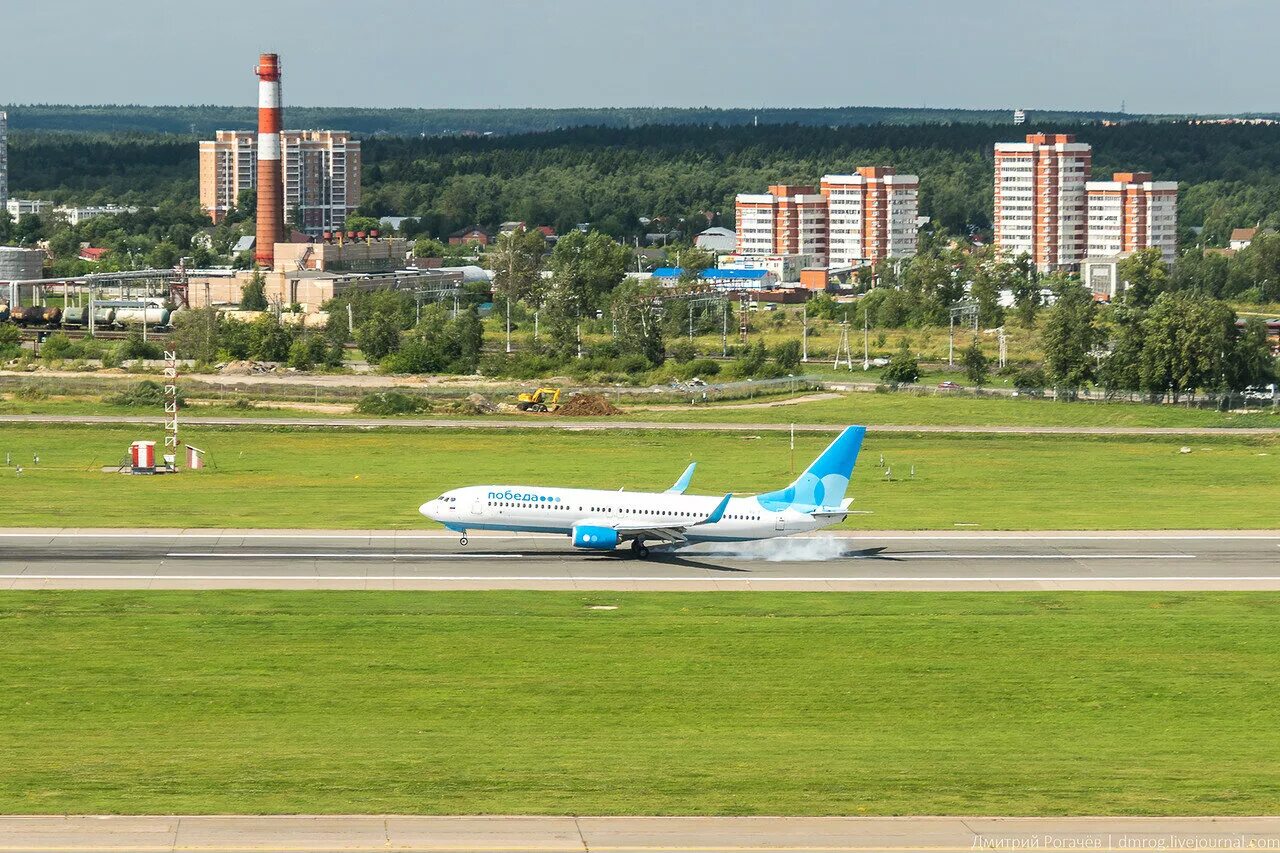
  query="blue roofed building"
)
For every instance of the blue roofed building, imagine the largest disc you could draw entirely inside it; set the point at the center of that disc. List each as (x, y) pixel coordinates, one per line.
(727, 279)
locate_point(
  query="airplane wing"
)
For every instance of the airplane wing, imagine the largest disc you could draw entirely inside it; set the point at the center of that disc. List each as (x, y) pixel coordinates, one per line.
(673, 532)
(683, 482)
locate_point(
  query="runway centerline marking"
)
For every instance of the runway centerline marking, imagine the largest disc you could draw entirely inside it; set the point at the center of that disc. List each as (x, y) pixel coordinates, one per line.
(1027, 557)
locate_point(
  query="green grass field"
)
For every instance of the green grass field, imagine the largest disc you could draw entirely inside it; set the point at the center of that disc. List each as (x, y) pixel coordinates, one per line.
(859, 407)
(720, 703)
(261, 477)
(961, 410)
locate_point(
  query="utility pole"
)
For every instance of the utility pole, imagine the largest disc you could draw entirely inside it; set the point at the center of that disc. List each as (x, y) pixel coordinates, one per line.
(804, 334)
(724, 334)
(1004, 347)
(843, 348)
(951, 343)
(866, 343)
(351, 323)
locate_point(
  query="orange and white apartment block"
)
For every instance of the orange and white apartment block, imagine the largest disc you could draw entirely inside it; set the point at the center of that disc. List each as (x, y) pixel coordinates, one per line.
(787, 220)
(871, 216)
(1132, 212)
(320, 171)
(1040, 207)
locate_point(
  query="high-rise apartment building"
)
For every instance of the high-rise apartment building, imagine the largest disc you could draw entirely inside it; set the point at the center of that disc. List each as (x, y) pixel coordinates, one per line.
(4, 158)
(321, 175)
(1131, 212)
(1040, 205)
(871, 216)
(228, 164)
(787, 220)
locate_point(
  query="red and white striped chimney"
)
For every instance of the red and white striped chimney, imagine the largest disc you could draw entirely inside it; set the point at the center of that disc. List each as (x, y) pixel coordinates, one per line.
(270, 173)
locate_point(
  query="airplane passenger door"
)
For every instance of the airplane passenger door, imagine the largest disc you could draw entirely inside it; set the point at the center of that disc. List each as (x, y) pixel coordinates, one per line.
(477, 507)
(778, 524)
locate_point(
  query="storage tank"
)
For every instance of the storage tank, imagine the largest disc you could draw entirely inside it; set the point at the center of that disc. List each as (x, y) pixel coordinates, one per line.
(151, 315)
(16, 266)
(35, 315)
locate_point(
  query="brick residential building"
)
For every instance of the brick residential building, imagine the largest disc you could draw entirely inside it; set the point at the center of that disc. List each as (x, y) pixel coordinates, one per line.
(1040, 206)
(871, 216)
(787, 220)
(321, 175)
(1132, 212)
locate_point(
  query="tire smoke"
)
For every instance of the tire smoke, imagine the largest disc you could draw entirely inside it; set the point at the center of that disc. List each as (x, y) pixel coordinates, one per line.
(783, 550)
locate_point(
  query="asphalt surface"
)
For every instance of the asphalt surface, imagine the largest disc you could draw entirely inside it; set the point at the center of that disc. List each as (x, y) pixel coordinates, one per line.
(538, 422)
(89, 559)
(582, 834)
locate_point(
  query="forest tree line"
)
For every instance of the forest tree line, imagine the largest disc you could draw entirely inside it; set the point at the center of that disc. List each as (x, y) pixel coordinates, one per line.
(681, 176)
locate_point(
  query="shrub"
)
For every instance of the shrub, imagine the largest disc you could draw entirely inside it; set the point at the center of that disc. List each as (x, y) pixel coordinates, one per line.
(58, 347)
(787, 355)
(31, 392)
(113, 356)
(146, 393)
(135, 347)
(683, 351)
(1031, 380)
(700, 367)
(10, 341)
(391, 403)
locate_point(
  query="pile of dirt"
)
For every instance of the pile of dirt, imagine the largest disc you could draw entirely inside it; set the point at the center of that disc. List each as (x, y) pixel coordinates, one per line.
(481, 404)
(244, 368)
(588, 405)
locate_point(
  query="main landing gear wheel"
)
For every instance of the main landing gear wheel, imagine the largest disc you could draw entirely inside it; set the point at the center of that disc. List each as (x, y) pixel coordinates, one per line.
(639, 549)
(462, 541)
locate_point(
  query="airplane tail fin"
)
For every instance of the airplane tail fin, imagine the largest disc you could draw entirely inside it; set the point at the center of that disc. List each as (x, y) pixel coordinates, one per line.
(825, 481)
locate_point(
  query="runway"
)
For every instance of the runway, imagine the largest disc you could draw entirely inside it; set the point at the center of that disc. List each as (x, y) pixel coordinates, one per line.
(846, 560)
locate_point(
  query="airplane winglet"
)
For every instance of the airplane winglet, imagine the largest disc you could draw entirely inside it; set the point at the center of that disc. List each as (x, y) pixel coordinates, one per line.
(683, 482)
(718, 512)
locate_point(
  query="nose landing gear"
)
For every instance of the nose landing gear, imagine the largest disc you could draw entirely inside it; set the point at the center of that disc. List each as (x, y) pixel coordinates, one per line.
(462, 541)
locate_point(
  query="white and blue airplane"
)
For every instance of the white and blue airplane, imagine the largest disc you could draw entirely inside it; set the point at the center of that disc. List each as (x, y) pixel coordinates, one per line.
(602, 520)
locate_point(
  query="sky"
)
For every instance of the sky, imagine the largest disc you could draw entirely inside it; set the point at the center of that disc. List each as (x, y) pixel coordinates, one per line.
(1157, 56)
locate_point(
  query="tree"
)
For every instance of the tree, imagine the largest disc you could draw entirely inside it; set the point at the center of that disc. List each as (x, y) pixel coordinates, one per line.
(1068, 338)
(270, 340)
(637, 321)
(428, 247)
(1144, 275)
(1250, 361)
(516, 261)
(975, 364)
(1121, 369)
(787, 354)
(902, 369)
(196, 334)
(253, 296)
(1026, 290)
(378, 336)
(585, 267)
(1185, 342)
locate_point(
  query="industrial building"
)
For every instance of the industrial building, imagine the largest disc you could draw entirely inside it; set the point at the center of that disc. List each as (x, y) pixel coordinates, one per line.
(1132, 212)
(73, 215)
(1040, 199)
(871, 216)
(28, 207)
(321, 172)
(309, 274)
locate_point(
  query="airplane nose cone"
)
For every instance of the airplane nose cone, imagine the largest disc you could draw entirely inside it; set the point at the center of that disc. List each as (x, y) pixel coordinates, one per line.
(428, 509)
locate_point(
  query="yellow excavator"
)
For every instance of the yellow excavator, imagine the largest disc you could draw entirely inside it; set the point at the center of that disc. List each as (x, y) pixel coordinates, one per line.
(542, 400)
